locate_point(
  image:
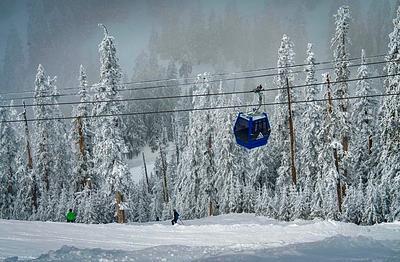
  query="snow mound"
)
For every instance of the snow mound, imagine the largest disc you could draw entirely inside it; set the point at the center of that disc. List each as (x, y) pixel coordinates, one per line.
(337, 248)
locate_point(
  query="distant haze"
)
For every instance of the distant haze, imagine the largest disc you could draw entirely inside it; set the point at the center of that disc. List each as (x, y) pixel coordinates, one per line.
(62, 34)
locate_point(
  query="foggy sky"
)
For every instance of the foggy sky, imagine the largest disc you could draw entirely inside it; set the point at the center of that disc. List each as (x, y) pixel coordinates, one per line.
(133, 22)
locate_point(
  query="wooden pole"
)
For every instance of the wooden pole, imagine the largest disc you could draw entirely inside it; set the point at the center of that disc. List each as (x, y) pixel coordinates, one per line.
(145, 172)
(81, 138)
(291, 130)
(28, 145)
(335, 153)
(30, 161)
(164, 170)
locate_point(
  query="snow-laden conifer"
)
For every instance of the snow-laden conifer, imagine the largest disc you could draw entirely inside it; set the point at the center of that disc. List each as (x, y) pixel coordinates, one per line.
(109, 145)
(327, 177)
(8, 165)
(363, 122)
(310, 137)
(340, 45)
(390, 125)
(81, 133)
(280, 137)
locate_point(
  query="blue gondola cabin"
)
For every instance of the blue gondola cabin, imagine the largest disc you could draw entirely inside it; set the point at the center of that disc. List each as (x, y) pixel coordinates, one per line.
(252, 130)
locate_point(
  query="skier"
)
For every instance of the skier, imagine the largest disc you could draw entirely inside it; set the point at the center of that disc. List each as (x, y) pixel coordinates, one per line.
(71, 216)
(176, 217)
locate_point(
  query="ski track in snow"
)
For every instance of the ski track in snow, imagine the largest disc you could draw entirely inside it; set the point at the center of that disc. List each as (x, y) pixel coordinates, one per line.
(234, 237)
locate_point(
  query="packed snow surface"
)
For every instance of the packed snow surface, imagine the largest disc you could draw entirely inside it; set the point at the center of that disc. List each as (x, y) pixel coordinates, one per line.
(235, 237)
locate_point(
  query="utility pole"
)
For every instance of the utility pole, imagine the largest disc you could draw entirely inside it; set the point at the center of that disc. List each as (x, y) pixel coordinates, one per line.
(86, 181)
(81, 138)
(28, 145)
(335, 152)
(291, 130)
(145, 172)
(163, 167)
(30, 161)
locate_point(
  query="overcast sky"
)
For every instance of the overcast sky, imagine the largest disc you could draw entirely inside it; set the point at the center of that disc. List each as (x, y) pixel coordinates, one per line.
(133, 24)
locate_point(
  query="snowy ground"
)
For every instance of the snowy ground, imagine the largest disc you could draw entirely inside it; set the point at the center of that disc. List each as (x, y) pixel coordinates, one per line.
(236, 237)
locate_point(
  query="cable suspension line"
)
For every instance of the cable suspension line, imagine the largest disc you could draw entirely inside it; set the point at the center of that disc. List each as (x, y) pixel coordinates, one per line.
(202, 109)
(194, 78)
(196, 95)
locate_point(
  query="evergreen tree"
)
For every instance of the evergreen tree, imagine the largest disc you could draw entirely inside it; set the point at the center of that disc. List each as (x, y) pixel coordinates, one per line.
(340, 45)
(372, 213)
(60, 150)
(281, 139)
(144, 203)
(109, 145)
(8, 165)
(363, 119)
(196, 191)
(310, 134)
(390, 143)
(43, 167)
(82, 134)
(328, 176)
(353, 204)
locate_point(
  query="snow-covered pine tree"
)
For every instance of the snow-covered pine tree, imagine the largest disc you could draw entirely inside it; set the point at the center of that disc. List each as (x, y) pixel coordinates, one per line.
(363, 120)
(82, 181)
(328, 177)
(264, 203)
(171, 89)
(312, 128)
(232, 161)
(340, 44)
(161, 190)
(186, 187)
(109, 146)
(86, 205)
(196, 191)
(310, 138)
(25, 203)
(372, 212)
(81, 135)
(42, 167)
(236, 194)
(61, 157)
(280, 140)
(144, 203)
(157, 196)
(353, 204)
(8, 165)
(390, 136)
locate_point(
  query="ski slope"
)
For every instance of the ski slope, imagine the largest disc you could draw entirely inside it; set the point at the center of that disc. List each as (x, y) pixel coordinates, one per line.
(235, 237)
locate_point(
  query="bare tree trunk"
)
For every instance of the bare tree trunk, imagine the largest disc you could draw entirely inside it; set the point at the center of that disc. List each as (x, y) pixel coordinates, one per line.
(34, 189)
(81, 138)
(339, 189)
(292, 142)
(164, 173)
(27, 139)
(120, 211)
(210, 207)
(145, 172)
(370, 144)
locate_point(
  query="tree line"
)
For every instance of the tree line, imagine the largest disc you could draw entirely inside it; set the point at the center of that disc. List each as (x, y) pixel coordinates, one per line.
(344, 166)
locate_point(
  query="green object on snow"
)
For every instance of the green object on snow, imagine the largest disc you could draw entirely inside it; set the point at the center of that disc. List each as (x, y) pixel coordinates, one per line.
(71, 216)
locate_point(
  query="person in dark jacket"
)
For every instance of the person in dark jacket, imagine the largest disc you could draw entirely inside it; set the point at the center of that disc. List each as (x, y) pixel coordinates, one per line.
(176, 217)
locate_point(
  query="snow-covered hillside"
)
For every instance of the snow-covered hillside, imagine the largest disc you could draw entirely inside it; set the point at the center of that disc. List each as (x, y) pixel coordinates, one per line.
(242, 237)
